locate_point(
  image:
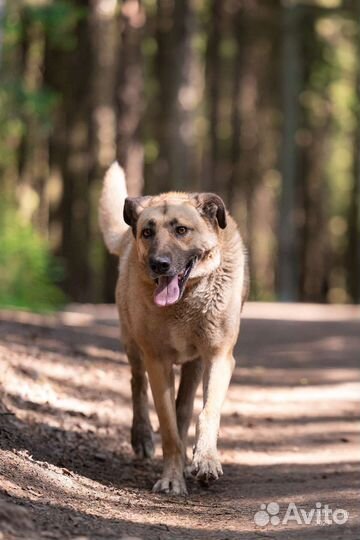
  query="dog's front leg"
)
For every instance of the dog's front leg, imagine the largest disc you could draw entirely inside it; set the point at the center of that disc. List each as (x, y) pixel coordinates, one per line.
(191, 374)
(161, 377)
(206, 465)
(141, 430)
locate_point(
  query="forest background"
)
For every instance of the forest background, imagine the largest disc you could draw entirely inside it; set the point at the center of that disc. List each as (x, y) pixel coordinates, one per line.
(257, 100)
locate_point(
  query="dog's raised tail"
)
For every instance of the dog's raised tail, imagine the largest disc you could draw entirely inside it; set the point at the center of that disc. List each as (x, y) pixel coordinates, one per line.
(111, 206)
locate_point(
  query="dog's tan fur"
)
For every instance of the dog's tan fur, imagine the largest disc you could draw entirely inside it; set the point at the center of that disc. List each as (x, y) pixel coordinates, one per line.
(199, 331)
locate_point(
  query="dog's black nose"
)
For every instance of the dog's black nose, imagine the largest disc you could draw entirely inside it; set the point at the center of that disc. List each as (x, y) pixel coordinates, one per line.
(160, 265)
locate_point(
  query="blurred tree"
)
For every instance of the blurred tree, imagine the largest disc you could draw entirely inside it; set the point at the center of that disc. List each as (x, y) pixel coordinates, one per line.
(291, 87)
(130, 95)
(68, 70)
(127, 66)
(180, 82)
(104, 36)
(353, 258)
(2, 18)
(313, 140)
(105, 51)
(214, 80)
(33, 155)
(353, 251)
(11, 97)
(251, 184)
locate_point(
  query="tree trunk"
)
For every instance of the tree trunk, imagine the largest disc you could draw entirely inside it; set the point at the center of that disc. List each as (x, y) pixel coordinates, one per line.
(11, 69)
(130, 97)
(69, 72)
(250, 190)
(34, 147)
(180, 83)
(291, 87)
(2, 18)
(105, 43)
(313, 196)
(129, 82)
(213, 83)
(353, 251)
(105, 48)
(353, 270)
(314, 252)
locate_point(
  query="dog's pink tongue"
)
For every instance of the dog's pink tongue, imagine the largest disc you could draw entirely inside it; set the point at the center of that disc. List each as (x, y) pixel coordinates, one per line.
(167, 292)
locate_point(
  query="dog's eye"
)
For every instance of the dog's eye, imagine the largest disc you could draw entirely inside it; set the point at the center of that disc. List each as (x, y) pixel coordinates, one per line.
(147, 233)
(181, 230)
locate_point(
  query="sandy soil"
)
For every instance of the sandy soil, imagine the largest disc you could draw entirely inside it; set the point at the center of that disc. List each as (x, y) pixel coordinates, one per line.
(290, 431)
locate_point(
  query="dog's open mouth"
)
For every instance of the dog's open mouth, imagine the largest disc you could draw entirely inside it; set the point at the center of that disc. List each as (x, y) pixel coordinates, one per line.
(169, 289)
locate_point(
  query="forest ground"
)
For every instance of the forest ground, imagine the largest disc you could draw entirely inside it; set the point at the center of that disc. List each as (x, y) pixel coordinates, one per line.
(289, 434)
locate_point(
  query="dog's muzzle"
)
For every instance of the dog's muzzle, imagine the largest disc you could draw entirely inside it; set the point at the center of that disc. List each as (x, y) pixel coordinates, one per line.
(170, 288)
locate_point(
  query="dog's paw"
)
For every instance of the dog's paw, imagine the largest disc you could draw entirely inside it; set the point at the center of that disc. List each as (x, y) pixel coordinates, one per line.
(173, 484)
(206, 468)
(142, 441)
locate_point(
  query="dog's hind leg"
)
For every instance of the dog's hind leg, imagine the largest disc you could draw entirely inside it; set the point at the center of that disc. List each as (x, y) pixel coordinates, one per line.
(191, 374)
(141, 430)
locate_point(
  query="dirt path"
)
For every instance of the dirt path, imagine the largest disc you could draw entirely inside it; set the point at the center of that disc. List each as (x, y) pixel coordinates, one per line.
(290, 432)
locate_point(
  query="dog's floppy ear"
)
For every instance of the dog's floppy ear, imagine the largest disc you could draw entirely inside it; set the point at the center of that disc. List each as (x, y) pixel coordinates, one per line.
(212, 206)
(133, 207)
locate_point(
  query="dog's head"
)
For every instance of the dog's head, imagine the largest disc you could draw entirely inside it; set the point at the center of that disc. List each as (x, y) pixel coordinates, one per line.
(177, 238)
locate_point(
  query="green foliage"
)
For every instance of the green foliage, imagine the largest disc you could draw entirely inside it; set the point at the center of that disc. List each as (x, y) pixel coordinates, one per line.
(58, 19)
(17, 101)
(28, 273)
(21, 102)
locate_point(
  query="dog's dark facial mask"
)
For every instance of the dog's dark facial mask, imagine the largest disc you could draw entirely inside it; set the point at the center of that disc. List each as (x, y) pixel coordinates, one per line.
(172, 236)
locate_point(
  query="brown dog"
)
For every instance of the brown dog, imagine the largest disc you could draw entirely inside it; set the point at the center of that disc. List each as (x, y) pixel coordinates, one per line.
(179, 294)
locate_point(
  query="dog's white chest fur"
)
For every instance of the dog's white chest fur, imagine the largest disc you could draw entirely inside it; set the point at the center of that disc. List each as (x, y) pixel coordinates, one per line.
(182, 350)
